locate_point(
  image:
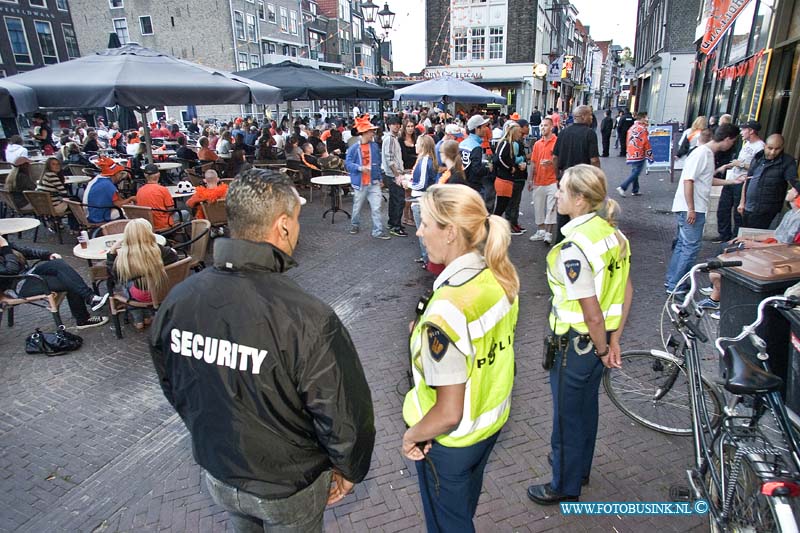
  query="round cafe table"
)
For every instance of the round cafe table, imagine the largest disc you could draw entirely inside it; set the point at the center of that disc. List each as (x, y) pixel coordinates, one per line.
(76, 180)
(168, 165)
(98, 247)
(5, 171)
(17, 225)
(335, 182)
(173, 191)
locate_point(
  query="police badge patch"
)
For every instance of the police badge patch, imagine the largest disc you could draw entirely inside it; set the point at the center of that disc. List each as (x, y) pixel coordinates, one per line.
(573, 269)
(437, 343)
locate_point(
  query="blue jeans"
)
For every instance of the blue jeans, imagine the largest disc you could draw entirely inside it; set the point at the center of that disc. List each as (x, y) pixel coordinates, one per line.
(687, 246)
(450, 490)
(371, 193)
(636, 169)
(416, 211)
(301, 512)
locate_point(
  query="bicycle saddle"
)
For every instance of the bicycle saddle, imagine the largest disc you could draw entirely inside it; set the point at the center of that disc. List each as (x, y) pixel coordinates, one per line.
(744, 377)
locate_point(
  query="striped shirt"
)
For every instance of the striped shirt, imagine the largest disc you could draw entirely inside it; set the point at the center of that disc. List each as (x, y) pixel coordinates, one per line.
(51, 183)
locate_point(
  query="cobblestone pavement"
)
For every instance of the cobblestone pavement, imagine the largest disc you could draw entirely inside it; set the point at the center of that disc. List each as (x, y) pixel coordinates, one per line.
(88, 442)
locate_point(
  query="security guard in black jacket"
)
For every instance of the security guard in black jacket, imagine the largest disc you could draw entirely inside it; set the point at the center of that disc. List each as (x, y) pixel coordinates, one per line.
(264, 376)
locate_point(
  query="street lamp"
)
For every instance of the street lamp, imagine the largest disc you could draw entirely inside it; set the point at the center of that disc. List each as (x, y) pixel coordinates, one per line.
(386, 21)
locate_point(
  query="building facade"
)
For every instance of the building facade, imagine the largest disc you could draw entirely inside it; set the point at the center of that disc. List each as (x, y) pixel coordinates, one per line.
(491, 43)
(752, 71)
(36, 33)
(665, 49)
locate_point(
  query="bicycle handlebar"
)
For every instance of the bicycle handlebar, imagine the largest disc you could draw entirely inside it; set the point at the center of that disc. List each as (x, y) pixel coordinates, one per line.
(714, 264)
(784, 302)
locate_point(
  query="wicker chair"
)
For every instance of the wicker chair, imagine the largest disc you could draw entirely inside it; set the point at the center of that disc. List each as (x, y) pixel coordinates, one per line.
(118, 303)
(49, 300)
(215, 213)
(197, 245)
(42, 204)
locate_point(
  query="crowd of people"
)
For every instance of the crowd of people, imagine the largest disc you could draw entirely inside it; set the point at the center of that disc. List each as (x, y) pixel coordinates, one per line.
(459, 182)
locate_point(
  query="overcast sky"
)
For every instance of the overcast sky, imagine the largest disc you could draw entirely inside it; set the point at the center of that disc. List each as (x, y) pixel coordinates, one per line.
(607, 19)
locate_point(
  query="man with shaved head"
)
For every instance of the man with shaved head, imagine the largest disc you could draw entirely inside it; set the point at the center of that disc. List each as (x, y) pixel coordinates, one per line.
(771, 173)
(576, 145)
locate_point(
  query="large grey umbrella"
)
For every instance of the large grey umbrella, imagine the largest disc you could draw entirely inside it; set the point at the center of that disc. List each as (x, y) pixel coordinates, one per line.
(139, 77)
(447, 89)
(299, 82)
(16, 100)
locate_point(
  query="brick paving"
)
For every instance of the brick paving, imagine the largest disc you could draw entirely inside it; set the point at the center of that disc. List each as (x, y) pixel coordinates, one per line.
(88, 443)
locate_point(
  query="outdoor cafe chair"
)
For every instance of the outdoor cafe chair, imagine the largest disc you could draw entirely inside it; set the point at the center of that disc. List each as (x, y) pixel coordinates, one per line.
(119, 303)
(9, 207)
(48, 299)
(197, 245)
(215, 213)
(42, 204)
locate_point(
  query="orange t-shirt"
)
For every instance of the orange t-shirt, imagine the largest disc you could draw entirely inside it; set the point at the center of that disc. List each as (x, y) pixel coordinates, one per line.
(204, 194)
(206, 154)
(543, 151)
(157, 197)
(325, 135)
(366, 162)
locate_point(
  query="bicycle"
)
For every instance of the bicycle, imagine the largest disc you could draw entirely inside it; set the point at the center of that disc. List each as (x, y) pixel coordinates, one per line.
(652, 387)
(746, 466)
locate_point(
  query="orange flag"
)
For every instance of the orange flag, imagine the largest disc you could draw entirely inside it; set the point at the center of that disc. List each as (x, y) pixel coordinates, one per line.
(722, 15)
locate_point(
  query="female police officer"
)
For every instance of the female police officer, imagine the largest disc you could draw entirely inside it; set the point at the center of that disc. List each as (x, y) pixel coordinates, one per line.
(588, 276)
(462, 354)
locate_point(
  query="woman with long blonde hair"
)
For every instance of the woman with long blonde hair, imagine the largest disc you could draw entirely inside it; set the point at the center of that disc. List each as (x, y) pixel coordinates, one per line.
(423, 176)
(138, 261)
(462, 354)
(591, 297)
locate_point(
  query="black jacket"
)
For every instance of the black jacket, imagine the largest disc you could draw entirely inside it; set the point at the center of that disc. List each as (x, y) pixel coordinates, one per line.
(767, 182)
(607, 126)
(295, 401)
(625, 123)
(11, 265)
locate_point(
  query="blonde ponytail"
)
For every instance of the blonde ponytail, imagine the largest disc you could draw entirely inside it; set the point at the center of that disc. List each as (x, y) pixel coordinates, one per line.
(489, 235)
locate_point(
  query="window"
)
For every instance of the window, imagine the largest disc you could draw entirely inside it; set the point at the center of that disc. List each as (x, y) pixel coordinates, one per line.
(284, 20)
(44, 31)
(496, 43)
(62, 5)
(459, 44)
(271, 14)
(312, 8)
(238, 23)
(71, 41)
(261, 13)
(146, 25)
(344, 9)
(344, 41)
(113, 4)
(356, 30)
(478, 43)
(314, 44)
(19, 41)
(293, 51)
(37, 3)
(243, 65)
(293, 22)
(251, 28)
(272, 48)
(121, 27)
(254, 61)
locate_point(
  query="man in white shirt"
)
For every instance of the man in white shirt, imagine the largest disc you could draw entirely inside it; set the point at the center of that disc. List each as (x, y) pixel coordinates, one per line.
(356, 111)
(729, 199)
(15, 150)
(691, 203)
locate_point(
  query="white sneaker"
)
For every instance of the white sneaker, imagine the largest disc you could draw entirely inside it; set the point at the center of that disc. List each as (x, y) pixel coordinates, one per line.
(539, 235)
(548, 237)
(706, 291)
(621, 191)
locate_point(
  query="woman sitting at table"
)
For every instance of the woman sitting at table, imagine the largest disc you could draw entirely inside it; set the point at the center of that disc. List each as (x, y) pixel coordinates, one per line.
(58, 276)
(75, 156)
(293, 151)
(20, 180)
(336, 146)
(224, 145)
(236, 164)
(52, 181)
(91, 146)
(241, 145)
(138, 262)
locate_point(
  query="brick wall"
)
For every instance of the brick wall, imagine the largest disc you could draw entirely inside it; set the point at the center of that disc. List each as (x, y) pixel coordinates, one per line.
(521, 31)
(682, 22)
(437, 36)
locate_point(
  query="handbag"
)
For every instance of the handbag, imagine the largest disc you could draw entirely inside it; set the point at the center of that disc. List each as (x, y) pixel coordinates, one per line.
(52, 344)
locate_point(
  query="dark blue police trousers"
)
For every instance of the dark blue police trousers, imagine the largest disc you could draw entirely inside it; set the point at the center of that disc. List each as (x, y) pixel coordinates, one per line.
(457, 473)
(575, 389)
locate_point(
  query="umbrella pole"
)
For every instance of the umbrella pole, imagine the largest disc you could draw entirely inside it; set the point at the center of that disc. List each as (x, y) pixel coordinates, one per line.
(148, 141)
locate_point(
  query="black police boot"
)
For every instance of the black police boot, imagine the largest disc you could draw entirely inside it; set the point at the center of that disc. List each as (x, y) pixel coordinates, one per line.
(584, 481)
(545, 495)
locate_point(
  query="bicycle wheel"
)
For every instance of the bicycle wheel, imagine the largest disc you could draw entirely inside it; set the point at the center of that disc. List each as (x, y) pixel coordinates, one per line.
(749, 509)
(635, 387)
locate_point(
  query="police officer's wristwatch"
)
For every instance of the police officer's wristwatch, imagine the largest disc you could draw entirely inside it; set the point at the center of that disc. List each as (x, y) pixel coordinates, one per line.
(601, 355)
